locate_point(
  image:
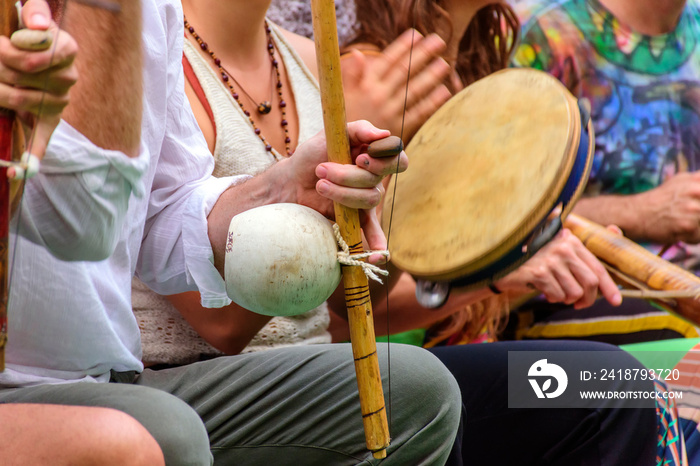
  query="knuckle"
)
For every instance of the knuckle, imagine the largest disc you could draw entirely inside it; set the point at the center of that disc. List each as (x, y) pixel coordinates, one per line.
(62, 102)
(685, 226)
(599, 270)
(375, 197)
(590, 283)
(17, 99)
(10, 77)
(5, 46)
(550, 263)
(574, 296)
(33, 63)
(70, 77)
(376, 100)
(539, 272)
(685, 205)
(71, 48)
(427, 110)
(560, 248)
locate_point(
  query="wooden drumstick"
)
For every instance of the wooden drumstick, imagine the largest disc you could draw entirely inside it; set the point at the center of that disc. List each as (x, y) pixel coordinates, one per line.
(357, 298)
(643, 266)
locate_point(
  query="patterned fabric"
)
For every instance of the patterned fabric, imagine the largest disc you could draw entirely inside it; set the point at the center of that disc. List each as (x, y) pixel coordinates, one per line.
(295, 16)
(644, 91)
(670, 448)
(689, 405)
(634, 321)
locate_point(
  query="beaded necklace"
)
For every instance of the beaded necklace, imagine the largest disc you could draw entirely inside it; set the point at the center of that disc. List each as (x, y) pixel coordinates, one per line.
(263, 107)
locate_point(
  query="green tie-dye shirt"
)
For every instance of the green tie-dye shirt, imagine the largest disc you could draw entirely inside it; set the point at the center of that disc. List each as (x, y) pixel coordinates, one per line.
(644, 90)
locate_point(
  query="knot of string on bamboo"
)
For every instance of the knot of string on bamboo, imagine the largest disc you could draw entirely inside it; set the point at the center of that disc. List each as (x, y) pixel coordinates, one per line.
(345, 258)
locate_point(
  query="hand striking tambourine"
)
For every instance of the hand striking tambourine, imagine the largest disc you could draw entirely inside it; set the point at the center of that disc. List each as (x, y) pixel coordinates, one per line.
(486, 171)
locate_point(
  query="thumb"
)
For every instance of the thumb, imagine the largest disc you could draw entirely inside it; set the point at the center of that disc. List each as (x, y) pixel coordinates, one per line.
(36, 14)
(615, 229)
(42, 134)
(36, 148)
(376, 240)
(354, 66)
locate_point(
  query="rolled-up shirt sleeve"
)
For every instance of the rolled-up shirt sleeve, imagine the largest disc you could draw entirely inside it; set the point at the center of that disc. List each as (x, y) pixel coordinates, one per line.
(199, 258)
(75, 207)
(175, 254)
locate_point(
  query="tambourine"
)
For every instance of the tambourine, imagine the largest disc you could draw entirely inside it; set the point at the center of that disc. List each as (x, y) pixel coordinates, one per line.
(486, 172)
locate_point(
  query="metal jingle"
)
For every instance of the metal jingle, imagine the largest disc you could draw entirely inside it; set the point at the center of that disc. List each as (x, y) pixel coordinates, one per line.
(432, 295)
(264, 107)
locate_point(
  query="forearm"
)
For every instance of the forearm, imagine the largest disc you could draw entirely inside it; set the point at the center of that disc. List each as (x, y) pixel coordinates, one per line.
(228, 329)
(405, 313)
(106, 103)
(266, 188)
(76, 206)
(623, 211)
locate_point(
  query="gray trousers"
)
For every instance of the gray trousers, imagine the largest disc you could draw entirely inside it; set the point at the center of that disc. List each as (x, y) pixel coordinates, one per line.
(293, 406)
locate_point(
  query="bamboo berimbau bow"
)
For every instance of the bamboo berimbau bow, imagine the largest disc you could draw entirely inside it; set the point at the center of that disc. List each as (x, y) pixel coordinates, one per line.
(8, 24)
(11, 145)
(357, 296)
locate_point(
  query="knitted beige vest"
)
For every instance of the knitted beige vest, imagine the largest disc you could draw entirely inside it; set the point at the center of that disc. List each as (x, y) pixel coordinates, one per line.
(166, 338)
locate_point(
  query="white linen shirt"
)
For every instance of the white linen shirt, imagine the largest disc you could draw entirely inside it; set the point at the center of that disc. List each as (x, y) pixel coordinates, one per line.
(72, 321)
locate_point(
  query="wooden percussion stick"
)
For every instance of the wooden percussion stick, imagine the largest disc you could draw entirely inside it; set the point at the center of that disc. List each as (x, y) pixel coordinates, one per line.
(636, 262)
(357, 296)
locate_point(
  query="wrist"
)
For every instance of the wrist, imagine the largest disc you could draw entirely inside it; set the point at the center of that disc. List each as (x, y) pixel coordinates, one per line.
(506, 284)
(281, 187)
(628, 212)
(494, 289)
(635, 215)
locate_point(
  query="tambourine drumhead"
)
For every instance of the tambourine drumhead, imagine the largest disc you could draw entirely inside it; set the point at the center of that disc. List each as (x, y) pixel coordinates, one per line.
(484, 171)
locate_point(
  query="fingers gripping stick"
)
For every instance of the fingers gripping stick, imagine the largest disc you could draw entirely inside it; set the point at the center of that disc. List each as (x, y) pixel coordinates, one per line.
(33, 40)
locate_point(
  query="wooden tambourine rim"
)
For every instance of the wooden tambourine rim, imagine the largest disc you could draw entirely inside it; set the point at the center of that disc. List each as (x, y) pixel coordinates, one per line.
(586, 174)
(528, 224)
